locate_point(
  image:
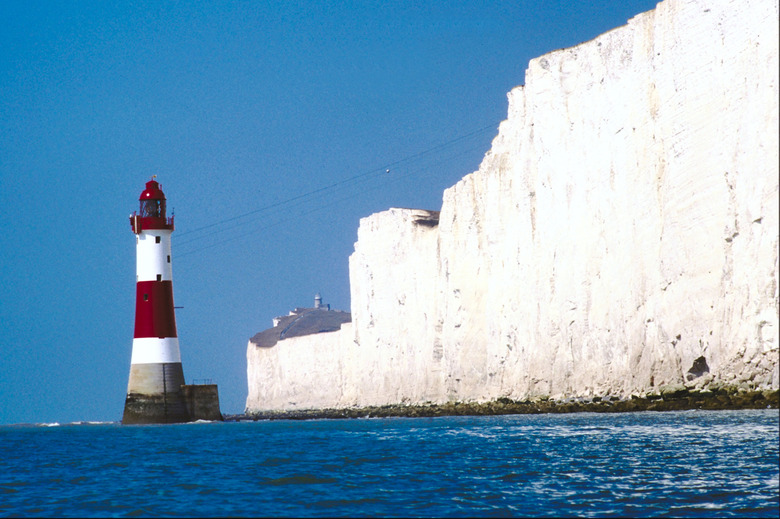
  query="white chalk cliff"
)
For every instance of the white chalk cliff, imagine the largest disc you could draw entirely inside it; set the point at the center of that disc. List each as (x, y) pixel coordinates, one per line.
(623, 225)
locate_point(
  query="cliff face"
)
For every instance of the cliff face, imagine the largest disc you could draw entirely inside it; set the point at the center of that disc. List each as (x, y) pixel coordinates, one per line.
(620, 235)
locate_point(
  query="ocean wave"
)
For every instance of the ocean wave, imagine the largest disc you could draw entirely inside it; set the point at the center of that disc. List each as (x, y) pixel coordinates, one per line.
(67, 424)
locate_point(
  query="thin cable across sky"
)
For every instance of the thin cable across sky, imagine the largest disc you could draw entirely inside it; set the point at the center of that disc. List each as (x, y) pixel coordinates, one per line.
(411, 163)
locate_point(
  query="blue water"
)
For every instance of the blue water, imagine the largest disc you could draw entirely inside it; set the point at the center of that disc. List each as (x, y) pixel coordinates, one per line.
(678, 464)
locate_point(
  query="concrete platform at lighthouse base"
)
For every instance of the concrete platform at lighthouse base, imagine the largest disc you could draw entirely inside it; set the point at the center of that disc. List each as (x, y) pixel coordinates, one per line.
(157, 394)
(202, 401)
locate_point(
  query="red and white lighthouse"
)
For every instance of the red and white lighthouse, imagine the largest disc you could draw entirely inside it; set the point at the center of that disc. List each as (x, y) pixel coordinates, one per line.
(154, 391)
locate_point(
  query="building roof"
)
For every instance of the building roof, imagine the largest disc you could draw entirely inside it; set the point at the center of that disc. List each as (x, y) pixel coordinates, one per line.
(300, 322)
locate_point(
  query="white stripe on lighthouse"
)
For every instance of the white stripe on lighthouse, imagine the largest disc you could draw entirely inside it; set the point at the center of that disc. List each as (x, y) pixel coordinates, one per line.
(152, 350)
(152, 258)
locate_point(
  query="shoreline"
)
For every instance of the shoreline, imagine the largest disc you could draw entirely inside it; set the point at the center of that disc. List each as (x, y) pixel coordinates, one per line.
(673, 398)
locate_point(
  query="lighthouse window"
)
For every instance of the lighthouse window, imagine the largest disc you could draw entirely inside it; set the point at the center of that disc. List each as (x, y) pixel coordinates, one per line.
(146, 297)
(153, 208)
(169, 258)
(159, 277)
(156, 239)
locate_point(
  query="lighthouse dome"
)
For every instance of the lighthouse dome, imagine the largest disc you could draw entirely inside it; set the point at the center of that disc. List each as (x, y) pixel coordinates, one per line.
(152, 192)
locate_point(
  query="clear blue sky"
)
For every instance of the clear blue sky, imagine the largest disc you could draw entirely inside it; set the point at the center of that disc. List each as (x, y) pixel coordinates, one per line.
(270, 126)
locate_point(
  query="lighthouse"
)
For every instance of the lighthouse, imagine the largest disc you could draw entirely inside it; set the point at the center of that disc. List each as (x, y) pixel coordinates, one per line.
(155, 392)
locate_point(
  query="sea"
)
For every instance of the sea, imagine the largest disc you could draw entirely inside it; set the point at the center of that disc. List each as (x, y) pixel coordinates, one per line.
(649, 464)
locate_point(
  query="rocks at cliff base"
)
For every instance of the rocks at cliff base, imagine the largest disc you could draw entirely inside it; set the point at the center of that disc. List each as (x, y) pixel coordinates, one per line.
(721, 399)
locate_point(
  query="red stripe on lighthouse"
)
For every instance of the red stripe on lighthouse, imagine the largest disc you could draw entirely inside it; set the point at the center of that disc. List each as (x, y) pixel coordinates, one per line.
(154, 316)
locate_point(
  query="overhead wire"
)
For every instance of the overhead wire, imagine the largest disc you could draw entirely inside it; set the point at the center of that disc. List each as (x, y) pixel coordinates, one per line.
(292, 202)
(304, 213)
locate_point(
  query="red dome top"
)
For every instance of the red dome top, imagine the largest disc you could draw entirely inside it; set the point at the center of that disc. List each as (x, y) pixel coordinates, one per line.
(152, 192)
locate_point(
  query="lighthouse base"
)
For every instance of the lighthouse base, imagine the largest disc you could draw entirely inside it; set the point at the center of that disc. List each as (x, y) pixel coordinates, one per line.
(155, 394)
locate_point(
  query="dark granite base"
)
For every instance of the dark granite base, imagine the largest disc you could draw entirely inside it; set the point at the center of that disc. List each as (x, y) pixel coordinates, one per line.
(668, 399)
